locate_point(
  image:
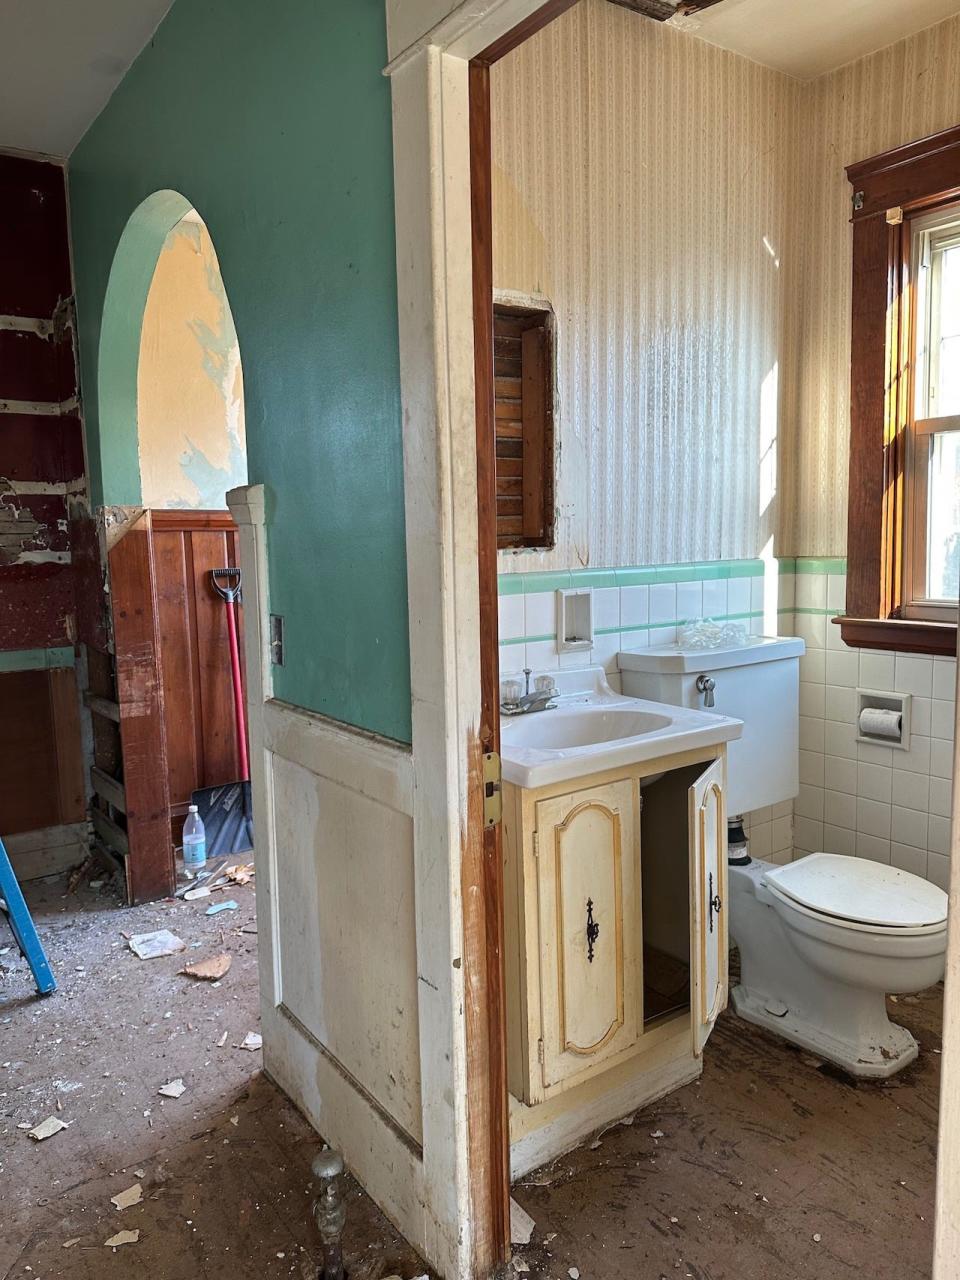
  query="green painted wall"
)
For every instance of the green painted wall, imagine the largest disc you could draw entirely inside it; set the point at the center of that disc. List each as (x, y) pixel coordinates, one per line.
(274, 121)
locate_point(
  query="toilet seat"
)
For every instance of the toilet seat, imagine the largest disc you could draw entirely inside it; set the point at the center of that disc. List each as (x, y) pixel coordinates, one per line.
(859, 894)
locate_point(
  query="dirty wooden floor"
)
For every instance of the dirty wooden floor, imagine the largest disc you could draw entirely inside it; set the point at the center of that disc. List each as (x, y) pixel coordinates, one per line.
(225, 1168)
(768, 1168)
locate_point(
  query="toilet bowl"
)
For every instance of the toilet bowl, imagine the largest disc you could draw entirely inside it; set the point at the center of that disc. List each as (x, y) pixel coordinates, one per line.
(823, 941)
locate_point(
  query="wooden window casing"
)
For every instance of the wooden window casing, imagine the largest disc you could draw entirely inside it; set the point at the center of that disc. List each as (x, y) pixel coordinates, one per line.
(889, 192)
(523, 425)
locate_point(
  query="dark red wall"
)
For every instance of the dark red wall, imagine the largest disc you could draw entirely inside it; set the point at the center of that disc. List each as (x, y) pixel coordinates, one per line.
(37, 603)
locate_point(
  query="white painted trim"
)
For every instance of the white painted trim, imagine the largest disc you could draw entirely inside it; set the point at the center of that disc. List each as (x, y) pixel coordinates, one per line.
(463, 31)
(40, 408)
(28, 488)
(362, 762)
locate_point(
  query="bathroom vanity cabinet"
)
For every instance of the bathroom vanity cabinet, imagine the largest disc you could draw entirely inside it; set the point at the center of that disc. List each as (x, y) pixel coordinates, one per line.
(615, 932)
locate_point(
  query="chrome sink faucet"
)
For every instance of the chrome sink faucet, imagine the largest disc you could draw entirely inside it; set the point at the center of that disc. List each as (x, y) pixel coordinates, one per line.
(515, 704)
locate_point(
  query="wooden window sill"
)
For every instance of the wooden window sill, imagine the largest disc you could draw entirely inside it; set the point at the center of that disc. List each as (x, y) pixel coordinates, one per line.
(902, 634)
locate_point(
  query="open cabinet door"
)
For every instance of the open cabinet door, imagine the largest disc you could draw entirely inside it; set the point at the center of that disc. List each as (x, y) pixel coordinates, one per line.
(708, 881)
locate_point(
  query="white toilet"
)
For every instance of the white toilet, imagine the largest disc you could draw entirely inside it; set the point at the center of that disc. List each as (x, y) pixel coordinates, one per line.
(825, 939)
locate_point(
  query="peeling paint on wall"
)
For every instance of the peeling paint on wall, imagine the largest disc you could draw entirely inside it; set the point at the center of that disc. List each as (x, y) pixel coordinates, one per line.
(190, 384)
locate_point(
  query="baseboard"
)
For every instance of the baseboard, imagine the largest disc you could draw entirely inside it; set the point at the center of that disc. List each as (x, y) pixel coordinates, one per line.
(48, 852)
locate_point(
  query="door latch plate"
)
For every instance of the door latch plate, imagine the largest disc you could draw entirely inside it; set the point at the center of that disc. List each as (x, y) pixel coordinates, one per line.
(492, 789)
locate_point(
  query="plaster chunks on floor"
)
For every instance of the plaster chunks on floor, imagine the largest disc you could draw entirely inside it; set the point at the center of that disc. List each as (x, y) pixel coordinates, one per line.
(47, 1128)
(210, 970)
(127, 1199)
(150, 946)
(175, 1089)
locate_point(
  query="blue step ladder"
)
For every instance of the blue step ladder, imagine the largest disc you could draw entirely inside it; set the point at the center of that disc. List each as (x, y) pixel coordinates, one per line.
(24, 931)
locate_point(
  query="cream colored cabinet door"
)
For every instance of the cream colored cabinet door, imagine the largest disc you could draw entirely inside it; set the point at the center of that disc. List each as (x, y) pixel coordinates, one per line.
(589, 915)
(708, 884)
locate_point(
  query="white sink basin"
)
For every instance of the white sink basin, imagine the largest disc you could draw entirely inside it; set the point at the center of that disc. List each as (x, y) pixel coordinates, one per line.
(593, 728)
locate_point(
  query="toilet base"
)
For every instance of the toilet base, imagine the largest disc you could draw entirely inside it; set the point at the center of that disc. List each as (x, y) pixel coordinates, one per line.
(894, 1050)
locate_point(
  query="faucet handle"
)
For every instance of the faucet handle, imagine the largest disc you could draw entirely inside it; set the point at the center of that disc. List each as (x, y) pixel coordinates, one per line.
(545, 684)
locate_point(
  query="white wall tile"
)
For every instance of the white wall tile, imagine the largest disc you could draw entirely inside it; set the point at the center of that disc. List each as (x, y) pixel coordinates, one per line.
(715, 598)
(837, 592)
(870, 753)
(605, 650)
(874, 782)
(811, 769)
(738, 595)
(908, 859)
(757, 593)
(921, 710)
(662, 635)
(542, 656)
(541, 613)
(811, 591)
(782, 833)
(945, 679)
(513, 658)
(917, 759)
(938, 835)
(843, 668)
(840, 809)
(510, 617)
(876, 670)
(841, 840)
(941, 797)
(873, 818)
(834, 639)
(914, 674)
(840, 774)
(908, 826)
(812, 629)
(811, 733)
(941, 758)
(606, 607)
(663, 602)
(840, 739)
(811, 699)
(809, 802)
(910, 789)
(578, 658)
(941, 718)
(689, 601)
(813, 666)
(841, 704)
(761, 840)
(938, 870)
(634, 606)
(807, 835)
(873, 847)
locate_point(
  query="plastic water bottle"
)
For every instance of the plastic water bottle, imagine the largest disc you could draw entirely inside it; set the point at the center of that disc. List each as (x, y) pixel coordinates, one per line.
(194, 840)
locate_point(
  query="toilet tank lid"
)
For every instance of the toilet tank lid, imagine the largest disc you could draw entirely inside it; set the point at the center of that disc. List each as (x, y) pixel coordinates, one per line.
(672, 659)
(859, 890)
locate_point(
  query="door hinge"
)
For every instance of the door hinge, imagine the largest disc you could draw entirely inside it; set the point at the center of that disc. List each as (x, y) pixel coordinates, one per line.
(540, 1052)
(492, 789)
(536, 844)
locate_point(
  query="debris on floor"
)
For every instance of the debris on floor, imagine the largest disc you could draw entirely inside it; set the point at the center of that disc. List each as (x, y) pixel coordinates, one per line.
(152, 946)
(210, 970)
(175, 1089)
(225, 1173)
(47, 1128)
(127, 1199)
(221, 906)
(122, 1237)
(521, 1224)
(252, 1040)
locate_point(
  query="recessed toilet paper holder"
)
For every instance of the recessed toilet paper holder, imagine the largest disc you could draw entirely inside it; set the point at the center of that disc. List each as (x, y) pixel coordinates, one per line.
(891, 727)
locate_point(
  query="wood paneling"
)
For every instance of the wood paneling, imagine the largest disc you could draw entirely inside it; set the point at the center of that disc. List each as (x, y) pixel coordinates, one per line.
(41, 773)
(523, 425)
(195, 661)
(150, 865)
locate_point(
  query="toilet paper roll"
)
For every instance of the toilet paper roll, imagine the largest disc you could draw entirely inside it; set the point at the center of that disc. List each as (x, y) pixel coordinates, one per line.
(881, 722)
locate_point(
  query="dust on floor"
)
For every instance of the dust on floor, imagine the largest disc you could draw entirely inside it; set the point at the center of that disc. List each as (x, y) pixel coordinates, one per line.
(225, 1168)
(771, 1167)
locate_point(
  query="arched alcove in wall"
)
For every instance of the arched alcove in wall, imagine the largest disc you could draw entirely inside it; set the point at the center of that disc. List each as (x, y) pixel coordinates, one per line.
(169, 376)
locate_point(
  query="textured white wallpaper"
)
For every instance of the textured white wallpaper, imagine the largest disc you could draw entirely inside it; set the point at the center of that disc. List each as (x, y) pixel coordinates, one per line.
(895, 96)
(686, 213)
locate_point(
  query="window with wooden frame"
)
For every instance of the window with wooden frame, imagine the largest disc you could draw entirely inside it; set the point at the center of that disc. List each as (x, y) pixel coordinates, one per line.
(523, 345)
(903, 553)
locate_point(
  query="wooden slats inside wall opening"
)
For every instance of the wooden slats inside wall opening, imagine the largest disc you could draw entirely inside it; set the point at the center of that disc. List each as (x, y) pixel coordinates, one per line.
(523, 415)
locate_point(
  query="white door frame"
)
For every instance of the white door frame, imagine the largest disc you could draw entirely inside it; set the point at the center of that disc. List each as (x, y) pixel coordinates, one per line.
(430, 45)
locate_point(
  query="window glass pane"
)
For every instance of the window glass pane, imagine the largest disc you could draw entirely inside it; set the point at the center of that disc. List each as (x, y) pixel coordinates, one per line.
(947, 393)
(943, 517)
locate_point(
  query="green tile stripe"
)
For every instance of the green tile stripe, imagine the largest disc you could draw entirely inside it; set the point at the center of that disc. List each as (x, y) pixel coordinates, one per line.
(35, 659)
(513, 584)
(816, 564)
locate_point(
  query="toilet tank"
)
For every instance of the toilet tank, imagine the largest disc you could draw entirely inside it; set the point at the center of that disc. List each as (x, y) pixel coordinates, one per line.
(758, 681)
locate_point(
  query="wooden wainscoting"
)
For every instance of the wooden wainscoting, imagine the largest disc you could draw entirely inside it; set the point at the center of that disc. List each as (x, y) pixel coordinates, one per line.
(194, 654)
